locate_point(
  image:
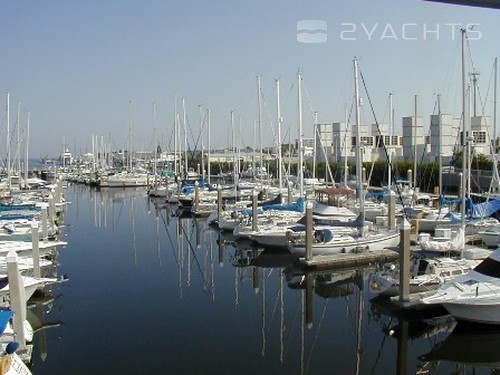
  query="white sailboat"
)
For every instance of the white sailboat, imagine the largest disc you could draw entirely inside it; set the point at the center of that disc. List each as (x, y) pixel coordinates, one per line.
(366, 237)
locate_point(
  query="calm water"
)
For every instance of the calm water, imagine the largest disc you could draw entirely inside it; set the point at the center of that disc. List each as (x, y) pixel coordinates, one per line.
(150, 293)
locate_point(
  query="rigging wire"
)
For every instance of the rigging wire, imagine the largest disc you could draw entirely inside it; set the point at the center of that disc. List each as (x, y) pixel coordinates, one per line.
(399, 192)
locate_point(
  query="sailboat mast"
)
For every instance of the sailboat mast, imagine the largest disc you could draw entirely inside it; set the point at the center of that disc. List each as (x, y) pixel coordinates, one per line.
(184, 124)
(233, 141)
(391, 130)
(259, 103)
(346, 173)
(300, 170)
(278, 114)
(130, 135)
(359, 161)
(26, 156)
(465, 114)
(202, 145)
(415, 147)
(495, 82)
(315, 132)
(8, 141)
(440, 156)
(209, 145)
(154, 145)
(18, 133)
(176, 162)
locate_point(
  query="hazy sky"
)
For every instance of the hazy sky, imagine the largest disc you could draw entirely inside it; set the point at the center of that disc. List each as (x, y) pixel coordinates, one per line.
(76, 65)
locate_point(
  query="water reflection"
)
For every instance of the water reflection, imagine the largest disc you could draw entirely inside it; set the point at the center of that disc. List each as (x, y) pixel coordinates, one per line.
(467, 346)
(212, 304)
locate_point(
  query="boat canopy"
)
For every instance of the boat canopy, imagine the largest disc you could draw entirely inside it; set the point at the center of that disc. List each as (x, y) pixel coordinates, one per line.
(485, 209)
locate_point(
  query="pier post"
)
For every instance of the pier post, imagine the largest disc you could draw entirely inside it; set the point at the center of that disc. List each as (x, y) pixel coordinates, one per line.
(219, 202)
(196, 196)
(36, 249)
(404, 261)
(289, 191)
(17, 298)
(392, 210)
(45, 234)
(254, 211)
(309, 229)
(59, 191)
(52, 211)
(55, 190)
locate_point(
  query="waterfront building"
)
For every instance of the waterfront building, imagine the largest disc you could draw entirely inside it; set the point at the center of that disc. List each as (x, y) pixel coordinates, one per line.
(413, 138)
(481, 135)
(444, 131)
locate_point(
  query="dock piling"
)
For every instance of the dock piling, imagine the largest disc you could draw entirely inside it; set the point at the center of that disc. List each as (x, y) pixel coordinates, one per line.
(392, 210)
(219, 202)
(404, 261)
(196, 196)
(254, 211)
(52, 211)
(36, 248)
(45, 234)
(309, 229)
(17, 298)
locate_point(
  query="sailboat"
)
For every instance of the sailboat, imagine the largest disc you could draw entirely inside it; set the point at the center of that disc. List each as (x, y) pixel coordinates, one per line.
(475, 295)
(366, 237)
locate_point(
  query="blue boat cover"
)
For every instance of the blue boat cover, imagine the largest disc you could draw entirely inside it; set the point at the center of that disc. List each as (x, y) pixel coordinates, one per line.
(445, 201)
(454, 218)
(339, 223)
(485, 209)
(5, 316)
(297, 206)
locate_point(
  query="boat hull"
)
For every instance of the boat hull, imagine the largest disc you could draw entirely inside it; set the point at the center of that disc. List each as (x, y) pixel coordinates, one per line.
(345, 245)
(486, 314)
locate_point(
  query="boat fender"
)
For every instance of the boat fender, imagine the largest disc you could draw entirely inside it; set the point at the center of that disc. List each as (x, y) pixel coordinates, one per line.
(6, 360)
(5, 363)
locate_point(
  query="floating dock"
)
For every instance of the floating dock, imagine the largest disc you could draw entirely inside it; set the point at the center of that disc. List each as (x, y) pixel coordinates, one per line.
(345, 260)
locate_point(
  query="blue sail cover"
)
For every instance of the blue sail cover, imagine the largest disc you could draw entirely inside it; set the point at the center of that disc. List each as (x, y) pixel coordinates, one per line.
(297, 206)
(16, 207)
(358, 223)
(485, 209)
(5, 315)
(454, 218)
(445, 201)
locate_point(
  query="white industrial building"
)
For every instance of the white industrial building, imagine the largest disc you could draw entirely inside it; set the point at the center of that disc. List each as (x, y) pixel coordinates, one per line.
(336, 141)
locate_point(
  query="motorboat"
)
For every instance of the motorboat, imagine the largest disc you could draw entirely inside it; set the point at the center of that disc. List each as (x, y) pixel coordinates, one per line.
(426, 273)
(474, 296)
